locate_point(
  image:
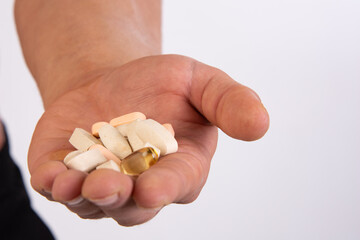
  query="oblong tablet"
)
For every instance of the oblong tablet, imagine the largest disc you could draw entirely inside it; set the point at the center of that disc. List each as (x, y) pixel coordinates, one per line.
(125, 129)
(135, 142)
(127, 118)
(95, 128)
(87, 161)
(71, 155)
(169, 127)
(153, 132)
(106, 153)
(109, 165)
(82, 139)
(114, 141)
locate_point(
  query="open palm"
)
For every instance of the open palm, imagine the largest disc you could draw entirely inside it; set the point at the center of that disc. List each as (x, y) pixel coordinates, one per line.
(193, 97)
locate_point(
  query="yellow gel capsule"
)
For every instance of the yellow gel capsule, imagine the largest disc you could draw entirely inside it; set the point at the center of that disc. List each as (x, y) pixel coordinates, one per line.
(139, 161)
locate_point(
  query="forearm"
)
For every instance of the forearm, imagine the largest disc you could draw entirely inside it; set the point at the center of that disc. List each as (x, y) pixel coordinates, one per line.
(67, 43)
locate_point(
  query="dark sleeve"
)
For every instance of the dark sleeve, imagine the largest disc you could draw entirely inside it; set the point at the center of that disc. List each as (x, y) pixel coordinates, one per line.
(18, 219)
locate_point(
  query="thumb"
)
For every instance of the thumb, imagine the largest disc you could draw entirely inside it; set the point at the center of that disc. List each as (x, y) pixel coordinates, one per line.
(234, 108)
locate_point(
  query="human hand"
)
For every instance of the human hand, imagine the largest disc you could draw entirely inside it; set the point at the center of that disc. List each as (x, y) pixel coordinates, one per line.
(193, 97)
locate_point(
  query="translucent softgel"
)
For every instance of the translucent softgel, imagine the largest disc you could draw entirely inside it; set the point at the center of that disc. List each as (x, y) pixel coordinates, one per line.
(139, 161)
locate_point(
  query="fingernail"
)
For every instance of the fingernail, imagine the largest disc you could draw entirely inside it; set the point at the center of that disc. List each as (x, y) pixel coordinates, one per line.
(150, 210)
(46, 191)
(75, 201)
(154, 209)
(105, 201)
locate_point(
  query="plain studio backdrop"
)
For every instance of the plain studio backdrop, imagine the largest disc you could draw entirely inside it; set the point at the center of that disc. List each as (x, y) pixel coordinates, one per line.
(301, 181)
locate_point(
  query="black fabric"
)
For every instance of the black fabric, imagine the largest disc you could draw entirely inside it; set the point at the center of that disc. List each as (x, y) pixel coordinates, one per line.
(17, 218)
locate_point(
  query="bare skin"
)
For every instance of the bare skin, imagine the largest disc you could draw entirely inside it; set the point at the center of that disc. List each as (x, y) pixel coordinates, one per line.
(193, 97)
(67, 43)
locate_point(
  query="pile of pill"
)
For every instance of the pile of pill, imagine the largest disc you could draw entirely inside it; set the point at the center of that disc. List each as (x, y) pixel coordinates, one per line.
(129, 144)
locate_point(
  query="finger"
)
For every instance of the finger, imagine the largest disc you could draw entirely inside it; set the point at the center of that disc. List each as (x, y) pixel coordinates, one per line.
(106, 187)
(67, 190)
(67, 185)
(111, 191)
(234, 108)
(177, 177)
(86, 210)
(130, 214)
(42, 178)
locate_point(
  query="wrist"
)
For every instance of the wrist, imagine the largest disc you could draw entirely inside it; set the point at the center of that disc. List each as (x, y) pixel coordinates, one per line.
(68, 48)
(59, 85)
(78, 70)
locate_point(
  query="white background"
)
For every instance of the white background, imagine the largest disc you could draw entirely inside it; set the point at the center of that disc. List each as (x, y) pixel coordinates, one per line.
(301, 181)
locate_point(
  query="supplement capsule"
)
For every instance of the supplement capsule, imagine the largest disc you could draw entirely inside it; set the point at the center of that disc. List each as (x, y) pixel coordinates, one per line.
(139, 161)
